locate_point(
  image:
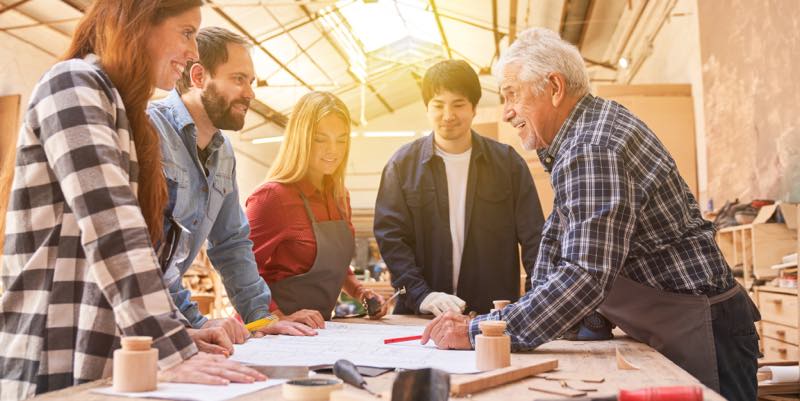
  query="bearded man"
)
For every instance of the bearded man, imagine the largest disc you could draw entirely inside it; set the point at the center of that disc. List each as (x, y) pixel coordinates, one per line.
(213, 94)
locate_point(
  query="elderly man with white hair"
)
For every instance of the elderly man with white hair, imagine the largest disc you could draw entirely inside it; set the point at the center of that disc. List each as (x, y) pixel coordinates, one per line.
(625, 238)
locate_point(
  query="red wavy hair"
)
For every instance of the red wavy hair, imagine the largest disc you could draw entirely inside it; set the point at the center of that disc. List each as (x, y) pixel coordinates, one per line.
(117, 31)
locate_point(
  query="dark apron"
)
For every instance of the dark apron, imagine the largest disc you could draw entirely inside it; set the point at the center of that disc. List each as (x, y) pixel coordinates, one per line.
(676, 325)
(319, 287)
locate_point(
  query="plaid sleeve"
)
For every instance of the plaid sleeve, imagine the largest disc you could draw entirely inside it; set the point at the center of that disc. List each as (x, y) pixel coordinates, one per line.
(595, 215)
(76, 115)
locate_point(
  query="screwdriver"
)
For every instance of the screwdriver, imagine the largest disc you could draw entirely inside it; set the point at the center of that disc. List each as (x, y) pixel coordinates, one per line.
(348, 372)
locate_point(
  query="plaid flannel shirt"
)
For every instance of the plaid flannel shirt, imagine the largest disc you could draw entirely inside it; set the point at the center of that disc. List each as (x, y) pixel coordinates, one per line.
(620, 208)
(79, 268)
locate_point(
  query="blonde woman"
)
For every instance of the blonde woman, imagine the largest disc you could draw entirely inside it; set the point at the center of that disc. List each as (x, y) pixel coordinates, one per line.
(300, 225)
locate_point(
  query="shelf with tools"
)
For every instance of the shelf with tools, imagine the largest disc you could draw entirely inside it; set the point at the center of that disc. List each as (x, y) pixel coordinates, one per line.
(755, 248)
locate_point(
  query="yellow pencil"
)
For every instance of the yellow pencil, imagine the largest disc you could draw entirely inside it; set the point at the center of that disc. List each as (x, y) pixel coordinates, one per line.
(261, 323)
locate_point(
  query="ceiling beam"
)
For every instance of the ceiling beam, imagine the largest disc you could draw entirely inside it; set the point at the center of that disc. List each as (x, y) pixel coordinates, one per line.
(48, 25)
(255, 42)
(512, 21)
(497, 36)
(441, 28)
(13, 6)
(34, 45)
(296, 43)
(303, 22)
(600, 64)
(38, 24)
(563, 19)
(269, 113)
(74, 4)
(587, 17)
(371, 88)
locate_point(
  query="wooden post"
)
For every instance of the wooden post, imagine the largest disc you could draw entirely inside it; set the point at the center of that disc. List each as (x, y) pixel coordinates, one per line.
(9, 117)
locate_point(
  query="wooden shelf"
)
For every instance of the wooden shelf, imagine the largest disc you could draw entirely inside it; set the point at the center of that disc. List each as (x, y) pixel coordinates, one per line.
(769, 288)
(755, 248)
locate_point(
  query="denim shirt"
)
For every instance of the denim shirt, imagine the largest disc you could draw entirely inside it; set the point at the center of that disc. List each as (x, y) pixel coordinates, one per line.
(208, 206)
(412, 224)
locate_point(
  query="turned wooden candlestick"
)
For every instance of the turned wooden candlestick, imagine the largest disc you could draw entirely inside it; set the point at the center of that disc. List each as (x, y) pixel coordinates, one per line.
(492, 346)
(135, 365)
(500, 304)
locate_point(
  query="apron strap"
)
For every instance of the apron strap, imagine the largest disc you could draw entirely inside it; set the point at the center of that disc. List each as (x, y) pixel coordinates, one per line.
(311, 214)
(307, 207)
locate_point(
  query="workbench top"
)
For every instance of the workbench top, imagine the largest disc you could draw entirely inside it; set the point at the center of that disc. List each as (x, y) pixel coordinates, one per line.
(595, 358)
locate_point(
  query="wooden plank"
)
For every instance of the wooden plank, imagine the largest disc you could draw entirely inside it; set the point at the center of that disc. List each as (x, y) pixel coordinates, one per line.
(500, 376)
(780, 290)
(9, 117)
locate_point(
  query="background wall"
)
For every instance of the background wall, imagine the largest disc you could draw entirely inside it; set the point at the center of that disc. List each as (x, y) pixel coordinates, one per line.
(751, 98)
(21, 66)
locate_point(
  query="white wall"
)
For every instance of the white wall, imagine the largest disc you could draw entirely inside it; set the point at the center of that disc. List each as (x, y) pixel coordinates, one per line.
(675, 58)
(21, 66)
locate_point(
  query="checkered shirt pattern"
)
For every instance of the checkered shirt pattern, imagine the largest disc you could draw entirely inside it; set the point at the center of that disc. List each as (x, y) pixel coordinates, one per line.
(620, 207)
(79, 268)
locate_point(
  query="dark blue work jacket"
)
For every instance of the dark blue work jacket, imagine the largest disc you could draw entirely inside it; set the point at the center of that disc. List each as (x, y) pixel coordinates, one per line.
(412, 224)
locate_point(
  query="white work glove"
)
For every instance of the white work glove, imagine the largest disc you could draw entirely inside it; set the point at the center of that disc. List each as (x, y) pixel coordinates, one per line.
(439, 302)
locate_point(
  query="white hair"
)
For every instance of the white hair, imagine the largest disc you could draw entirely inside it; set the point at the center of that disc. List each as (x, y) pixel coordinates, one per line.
(540, 51)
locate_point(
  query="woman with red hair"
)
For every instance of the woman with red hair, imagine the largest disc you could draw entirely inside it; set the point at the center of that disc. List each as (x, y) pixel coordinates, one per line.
(86, 207)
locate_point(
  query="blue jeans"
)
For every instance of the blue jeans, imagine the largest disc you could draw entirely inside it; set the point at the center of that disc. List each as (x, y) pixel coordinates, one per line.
(736, 344)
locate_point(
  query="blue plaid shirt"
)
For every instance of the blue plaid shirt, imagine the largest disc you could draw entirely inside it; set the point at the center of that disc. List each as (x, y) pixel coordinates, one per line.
(620, 208)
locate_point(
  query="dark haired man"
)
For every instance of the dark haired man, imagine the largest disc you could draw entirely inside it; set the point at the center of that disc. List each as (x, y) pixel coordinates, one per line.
(213, 95)
(454, 207)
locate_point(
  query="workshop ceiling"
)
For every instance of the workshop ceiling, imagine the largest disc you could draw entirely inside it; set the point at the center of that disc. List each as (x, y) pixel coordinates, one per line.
(371, 53)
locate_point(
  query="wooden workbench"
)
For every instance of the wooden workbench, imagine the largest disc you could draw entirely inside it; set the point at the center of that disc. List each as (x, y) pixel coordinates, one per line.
(586, 357)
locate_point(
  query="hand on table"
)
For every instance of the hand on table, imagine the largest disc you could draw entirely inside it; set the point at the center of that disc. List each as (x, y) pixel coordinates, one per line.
(235, 329)
(285, 327)
(308, 317)
(449, 331)
(203, 368)
(213, 340)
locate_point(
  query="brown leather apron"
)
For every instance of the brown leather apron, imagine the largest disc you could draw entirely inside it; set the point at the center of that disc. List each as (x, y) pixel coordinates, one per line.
(319, 287)
(676, 325)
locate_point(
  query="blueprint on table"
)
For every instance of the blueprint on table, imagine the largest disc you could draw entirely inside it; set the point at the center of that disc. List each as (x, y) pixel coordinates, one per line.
(362, 344)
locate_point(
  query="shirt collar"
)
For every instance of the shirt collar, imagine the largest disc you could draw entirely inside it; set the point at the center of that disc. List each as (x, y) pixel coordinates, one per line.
(547, 156)
(308, 189)
(184, 119)
(429, 147)
(180, 113)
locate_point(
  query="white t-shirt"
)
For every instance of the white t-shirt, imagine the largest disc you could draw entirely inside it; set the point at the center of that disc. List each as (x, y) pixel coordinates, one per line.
(457, 169)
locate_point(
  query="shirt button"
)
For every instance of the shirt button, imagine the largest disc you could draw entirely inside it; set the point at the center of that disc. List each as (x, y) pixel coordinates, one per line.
(194, 223)
(548, 159)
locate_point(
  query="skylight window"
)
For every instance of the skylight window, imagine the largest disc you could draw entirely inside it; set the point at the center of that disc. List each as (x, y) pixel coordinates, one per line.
(383, 22)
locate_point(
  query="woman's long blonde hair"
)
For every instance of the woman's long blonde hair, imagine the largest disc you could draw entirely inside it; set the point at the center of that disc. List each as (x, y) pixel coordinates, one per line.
(291, 164)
